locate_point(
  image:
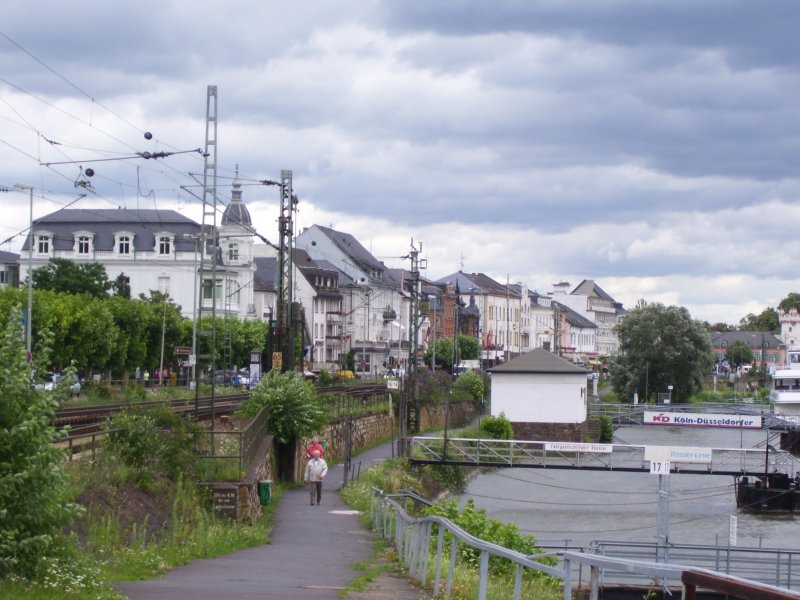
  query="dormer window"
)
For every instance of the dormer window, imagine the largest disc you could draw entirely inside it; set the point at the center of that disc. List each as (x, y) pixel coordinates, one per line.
(164, 245)
(123, 243)
(83, 245)
(43, 244)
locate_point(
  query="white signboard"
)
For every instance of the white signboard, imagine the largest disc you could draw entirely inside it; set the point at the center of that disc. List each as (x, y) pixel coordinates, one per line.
(677, 454)
(732, 530)
(702, 420)
(392, 384)
(659, 467)
(578, 447)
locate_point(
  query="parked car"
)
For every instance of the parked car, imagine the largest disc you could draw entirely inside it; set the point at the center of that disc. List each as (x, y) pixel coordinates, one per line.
(228, 377)
(52, 379)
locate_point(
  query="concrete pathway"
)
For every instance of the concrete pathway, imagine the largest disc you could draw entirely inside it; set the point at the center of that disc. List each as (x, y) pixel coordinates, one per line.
(311, 555)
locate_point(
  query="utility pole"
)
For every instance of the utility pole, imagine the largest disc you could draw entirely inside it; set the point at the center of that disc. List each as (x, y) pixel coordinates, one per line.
(285, 321)
(556, 328)
(409, 409)
(208, 251)
(507, 353)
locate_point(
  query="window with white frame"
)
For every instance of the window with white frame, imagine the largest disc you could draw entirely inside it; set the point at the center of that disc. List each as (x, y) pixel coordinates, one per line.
(232, 291)
(83, 245)
(233, 252)
(43, 244)
(164, 245)
(208, 286)
(123, 244)
(83, 242)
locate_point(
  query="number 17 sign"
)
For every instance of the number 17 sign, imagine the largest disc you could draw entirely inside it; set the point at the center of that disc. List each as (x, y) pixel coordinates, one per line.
(659, 467)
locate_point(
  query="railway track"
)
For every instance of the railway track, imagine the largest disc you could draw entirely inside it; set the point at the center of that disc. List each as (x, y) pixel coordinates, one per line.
(224, 403)
(87, 415)
(86, 423)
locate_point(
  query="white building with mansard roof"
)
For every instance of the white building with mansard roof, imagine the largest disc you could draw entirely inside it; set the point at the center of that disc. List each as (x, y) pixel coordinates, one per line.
(154, 250)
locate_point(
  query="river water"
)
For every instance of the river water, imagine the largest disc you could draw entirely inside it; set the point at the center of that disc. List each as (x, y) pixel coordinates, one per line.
(573, 508)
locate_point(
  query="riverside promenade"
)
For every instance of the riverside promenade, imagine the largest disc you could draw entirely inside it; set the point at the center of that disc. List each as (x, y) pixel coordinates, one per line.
(312, 552)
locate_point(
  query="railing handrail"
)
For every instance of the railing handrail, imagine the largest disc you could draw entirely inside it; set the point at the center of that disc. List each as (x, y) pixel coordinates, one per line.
(413, 548)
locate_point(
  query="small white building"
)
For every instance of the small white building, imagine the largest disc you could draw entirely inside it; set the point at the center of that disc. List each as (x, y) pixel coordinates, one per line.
(543, 395)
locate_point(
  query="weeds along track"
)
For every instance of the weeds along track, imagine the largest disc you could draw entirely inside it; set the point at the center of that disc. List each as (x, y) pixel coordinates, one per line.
(89, 415)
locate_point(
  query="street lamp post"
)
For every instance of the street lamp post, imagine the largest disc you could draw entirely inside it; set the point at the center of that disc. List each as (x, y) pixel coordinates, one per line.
(29, 316)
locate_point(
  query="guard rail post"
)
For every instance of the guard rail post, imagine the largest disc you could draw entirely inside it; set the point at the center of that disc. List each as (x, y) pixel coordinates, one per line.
(567, 578)
(451, 569)
(484, 575)
(438, 573)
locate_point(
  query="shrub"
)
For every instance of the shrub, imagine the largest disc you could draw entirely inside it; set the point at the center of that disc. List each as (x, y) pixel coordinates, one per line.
(153, 440)
(98, 390)
(295, 410)
(606, 429)
(134, 392)
(326, 378)
(475, 522)
(497, 428)
(472, 383)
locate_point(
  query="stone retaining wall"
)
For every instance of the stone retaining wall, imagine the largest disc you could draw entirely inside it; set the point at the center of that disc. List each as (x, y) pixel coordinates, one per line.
(555, 432)
(240, 500)
(368, 430)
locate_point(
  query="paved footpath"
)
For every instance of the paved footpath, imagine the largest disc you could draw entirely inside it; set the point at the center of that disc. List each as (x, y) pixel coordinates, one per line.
(311, 554)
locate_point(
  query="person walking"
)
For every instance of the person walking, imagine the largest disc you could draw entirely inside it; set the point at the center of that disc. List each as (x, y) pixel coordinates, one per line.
(316, 469)
(315, 445)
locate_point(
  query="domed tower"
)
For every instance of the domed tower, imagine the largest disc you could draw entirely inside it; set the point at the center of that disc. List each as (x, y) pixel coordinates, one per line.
(236, 228)
(236, 243)
(236, 212)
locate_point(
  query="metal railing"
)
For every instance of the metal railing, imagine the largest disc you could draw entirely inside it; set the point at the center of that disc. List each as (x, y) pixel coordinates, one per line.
(413, 539)
(234, 445)
(566, 455)
(773, 566)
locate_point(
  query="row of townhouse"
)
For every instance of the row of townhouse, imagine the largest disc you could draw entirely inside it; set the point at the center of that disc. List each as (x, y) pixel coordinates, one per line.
(348, 300)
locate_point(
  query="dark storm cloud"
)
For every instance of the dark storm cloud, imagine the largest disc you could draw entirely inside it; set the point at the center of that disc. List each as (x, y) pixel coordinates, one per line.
(751, 34)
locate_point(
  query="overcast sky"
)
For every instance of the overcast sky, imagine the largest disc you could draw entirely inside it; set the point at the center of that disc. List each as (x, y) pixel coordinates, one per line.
(651, 146)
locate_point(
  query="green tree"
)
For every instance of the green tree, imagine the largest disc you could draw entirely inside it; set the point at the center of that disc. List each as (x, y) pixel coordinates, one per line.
(469, 347)
(62, 275)
(295, 410)
(472, 383)
(444, 353)
(661, 346)
(121, 286)
(768, 320)
(82, 328)
(739, 353)
(32, 482)
(163, 323)
(130, 319)
(792, 301)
